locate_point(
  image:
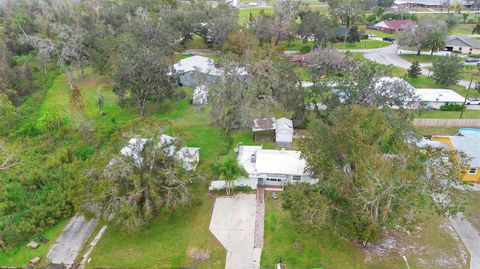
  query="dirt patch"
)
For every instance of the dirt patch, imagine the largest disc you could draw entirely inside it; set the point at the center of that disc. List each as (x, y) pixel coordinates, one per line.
(197, 256)
(298, 246)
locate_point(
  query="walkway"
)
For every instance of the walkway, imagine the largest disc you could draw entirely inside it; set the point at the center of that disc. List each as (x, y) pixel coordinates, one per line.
(71, 241)
(470, 238)
(233, 224)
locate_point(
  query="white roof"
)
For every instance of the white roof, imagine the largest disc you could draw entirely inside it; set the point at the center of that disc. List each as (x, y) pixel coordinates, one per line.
(287, 162)
(284, 125)
(197, 63)
(439, 95)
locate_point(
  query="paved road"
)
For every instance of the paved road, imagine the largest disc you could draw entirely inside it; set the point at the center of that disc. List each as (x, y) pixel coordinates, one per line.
(233, 224)
(470, 239)
(388, 56)
(71, 241)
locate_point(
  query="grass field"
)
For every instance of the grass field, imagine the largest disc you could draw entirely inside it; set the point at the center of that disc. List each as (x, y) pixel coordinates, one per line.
(462, 29)
(472, 211)
(427, 248)
(20, 255)
(420, 58)
(438, 114)
(428, 131)
(363, 44)
(168, 242)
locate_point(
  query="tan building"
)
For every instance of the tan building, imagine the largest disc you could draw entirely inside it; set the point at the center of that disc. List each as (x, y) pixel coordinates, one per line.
(463, 44)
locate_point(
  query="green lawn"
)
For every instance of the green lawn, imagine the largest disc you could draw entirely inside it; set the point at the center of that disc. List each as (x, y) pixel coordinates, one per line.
(244, 14)
(363, 44)
(428, 131)
(166, 242)
(298, 249)
(420, 58)
(378, 33)
(472, 211)
(462, 29)
(20, 255)
(438, 114)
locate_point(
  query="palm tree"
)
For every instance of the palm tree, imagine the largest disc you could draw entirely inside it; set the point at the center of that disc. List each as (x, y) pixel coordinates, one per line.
(228, 170)
(436, 40)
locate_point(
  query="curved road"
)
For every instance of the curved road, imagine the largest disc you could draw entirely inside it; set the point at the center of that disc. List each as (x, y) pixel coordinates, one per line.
(388, 56)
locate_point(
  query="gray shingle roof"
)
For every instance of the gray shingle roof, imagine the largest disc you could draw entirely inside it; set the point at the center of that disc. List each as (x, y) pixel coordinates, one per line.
(458, 40)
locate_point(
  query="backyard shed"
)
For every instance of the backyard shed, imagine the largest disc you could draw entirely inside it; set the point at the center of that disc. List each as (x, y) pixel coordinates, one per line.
(284, 132)
(195, 70)
(263, 130)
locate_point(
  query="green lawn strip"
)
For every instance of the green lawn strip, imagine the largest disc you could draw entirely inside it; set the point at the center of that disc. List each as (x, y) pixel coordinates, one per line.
(166, 242)
(378, 33)
(299, 249)
(438, 114)
(429, 131)
(363, 44)
(244, 14)
(420, 58)
(472, 211)
(462, 29)
(20, 255)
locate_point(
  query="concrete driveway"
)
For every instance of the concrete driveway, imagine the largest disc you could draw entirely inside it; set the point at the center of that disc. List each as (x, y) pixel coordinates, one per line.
(470, 238)
(71, 241)
(233, 224)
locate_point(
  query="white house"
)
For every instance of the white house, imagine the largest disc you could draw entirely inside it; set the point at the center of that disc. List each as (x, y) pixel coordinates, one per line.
(188, 156)
(273, 168)
(192, 68)
(200, 95)
(435, 98)
(284, 132)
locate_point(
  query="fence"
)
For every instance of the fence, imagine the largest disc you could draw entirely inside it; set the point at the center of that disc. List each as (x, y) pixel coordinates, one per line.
(446, 122)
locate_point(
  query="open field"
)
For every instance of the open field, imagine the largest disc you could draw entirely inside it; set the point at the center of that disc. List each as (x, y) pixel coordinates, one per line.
(429, 247)
(363, 44)
(420, 58)
(428, 131)
(438, 114)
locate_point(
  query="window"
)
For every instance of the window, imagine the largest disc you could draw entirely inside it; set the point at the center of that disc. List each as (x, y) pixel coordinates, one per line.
(472, 171)
(297, 178)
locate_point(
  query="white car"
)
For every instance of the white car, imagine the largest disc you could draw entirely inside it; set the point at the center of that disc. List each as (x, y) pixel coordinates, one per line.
(473, 101)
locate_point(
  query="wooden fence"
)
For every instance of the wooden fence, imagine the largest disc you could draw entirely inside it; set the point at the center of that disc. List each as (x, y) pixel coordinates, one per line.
(446, 122)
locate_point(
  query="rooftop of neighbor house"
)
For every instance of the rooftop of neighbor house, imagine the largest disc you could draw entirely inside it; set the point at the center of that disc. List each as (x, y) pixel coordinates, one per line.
(463, 41)
(264, 124)
(282, 161)
(395, 24)
(468, 145)
(439, 95)
(198, 63)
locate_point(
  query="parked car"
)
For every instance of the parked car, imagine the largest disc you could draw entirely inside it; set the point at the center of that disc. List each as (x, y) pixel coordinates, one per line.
(478, 64)
(473, 101)
(472, 60)
(371, 36)
(388, 39)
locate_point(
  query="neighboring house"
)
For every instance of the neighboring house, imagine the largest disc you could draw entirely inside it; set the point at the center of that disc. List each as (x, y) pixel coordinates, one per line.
(271, 129)
(196, 70)
(342, 33)
(463, 44)
(471, 147)
(392, 26)
(424, 98)
(274, 168)
(233, 3)
(428, 3)
(435, 98)
(188, 156)
(200, 95)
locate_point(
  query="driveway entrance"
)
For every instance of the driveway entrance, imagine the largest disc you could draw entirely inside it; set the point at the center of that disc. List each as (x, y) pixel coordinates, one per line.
(233, 224)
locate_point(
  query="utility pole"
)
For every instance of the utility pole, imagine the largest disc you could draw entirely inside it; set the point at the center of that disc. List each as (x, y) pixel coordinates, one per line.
(466, 96)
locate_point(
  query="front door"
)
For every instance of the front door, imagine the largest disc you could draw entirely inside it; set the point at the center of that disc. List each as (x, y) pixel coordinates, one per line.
(261, 181)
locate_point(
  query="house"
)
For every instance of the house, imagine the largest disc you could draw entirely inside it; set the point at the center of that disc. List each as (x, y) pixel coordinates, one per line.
(471, 147)
(428, 3)
(195, 70)
(435, 98)
(424, 98)
(188, 156)
(342, 33)
(284, 132)
(200, 95)
(274, 168)
(392, 26)
(273, 130)
(463, 44)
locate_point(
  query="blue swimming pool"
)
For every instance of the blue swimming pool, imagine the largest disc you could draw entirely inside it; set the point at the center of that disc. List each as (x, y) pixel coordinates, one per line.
(469, 132)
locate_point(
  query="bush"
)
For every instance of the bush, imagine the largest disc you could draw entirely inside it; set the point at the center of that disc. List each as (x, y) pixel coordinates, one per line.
(451, 107)
(51, 121)
(84, 152)
(305, 49)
